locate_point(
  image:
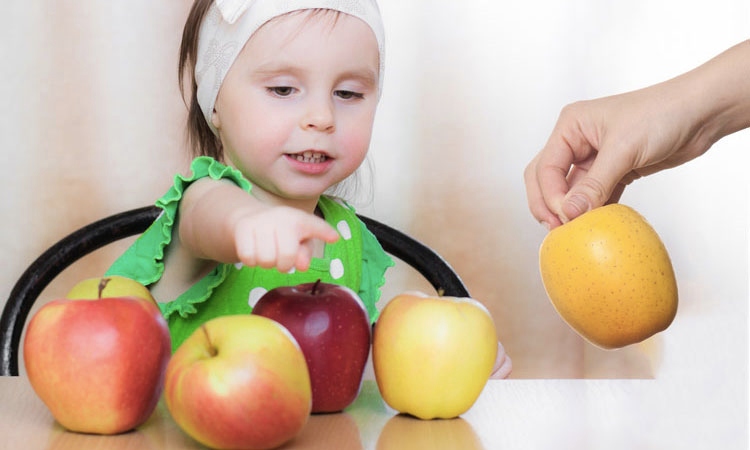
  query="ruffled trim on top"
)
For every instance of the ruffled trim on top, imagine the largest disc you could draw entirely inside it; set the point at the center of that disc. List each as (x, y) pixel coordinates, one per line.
(144, 260)
(201, 167)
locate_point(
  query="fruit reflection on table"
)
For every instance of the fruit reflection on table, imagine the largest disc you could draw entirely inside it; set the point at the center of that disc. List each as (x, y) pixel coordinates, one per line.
(366, 423)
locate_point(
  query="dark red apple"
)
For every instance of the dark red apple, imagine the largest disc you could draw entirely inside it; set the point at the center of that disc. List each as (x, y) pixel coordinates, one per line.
(331, 325)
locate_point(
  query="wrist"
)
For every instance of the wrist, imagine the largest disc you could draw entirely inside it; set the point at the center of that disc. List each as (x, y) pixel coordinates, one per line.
(722, 87)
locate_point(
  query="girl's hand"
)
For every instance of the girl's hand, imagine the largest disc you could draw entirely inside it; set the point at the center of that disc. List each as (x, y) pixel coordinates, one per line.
(503, 364)
(220, 222)
(281, 237)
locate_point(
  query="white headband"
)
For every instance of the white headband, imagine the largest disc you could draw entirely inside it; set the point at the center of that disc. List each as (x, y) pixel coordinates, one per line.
(230, 23)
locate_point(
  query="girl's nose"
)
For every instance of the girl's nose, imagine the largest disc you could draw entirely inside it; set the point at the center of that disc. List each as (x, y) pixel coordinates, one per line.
(319, 116)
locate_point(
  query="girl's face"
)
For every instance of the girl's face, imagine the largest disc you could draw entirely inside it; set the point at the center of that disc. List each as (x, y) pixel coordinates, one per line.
(296, 109)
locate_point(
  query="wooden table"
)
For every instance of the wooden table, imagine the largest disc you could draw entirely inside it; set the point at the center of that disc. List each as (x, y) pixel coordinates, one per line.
(510, 414)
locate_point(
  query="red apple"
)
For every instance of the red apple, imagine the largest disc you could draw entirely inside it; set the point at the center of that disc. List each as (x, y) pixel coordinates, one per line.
(331, 325)
(239, 381)
(98, 364)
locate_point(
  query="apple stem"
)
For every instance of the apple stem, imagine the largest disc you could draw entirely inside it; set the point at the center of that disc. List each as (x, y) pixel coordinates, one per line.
(440, 292)
(102, 284)
(212, 350)
(315, 287)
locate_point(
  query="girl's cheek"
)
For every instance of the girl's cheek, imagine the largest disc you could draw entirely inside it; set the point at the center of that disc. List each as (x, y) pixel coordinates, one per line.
(356, 142)
(356, 134)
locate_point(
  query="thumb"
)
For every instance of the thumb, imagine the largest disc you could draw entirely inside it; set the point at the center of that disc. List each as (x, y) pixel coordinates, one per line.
(594, 188)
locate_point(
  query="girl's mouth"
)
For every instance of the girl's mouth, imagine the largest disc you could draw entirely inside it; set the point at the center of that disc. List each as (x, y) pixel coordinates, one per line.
(309, 156)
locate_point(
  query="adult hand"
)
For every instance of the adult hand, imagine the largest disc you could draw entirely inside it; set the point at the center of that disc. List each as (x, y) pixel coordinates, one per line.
(599, 146)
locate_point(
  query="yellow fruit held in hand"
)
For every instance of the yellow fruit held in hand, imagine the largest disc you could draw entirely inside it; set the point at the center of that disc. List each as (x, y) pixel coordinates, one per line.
(609, 276)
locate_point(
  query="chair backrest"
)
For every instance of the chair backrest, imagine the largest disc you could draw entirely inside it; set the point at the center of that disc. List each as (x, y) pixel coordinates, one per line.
(110, 229)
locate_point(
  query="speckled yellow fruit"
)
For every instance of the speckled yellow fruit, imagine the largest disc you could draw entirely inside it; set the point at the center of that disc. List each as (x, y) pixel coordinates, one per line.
(609, 276)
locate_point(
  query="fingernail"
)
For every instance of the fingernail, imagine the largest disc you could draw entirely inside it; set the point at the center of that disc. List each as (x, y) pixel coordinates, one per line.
(546, 225)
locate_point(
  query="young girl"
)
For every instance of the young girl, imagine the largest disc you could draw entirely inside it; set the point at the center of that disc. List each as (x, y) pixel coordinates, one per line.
(282, 107)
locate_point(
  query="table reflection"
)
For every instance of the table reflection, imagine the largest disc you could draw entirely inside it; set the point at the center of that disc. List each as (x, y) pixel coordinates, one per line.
(159, 432)
(327, 431)
(409, 433)
(518, 414)
(367, 423)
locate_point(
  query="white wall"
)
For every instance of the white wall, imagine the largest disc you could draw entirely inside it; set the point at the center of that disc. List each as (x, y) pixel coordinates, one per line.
(93, 119)
(479, 85)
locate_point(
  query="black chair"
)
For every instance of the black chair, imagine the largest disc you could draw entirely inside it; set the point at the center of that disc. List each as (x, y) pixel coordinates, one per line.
(129, 223)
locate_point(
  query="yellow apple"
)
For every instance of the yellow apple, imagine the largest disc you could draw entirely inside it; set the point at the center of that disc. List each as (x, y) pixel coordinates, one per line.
(239, 381)
(609, 276)
(109, 286)
(432, 356)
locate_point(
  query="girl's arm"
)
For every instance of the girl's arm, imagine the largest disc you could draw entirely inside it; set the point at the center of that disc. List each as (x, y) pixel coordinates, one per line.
(218, 222)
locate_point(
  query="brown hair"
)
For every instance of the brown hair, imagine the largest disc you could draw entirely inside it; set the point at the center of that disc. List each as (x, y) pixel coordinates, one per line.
(201, 139)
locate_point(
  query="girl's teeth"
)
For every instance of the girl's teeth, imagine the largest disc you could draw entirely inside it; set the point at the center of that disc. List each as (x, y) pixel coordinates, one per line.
(310, 157)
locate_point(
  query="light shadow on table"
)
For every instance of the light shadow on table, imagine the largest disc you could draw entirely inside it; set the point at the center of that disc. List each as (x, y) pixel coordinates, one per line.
(61, 438)
(159, 432)
(409, 433)
(327, 431)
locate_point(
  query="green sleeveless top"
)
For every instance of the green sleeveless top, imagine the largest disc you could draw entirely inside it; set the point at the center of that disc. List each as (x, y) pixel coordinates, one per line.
(356, 260)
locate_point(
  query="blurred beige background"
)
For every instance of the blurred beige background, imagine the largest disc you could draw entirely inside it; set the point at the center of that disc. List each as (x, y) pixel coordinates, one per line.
(93, 126)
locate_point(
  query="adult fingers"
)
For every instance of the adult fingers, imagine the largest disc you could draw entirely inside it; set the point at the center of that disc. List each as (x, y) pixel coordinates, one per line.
(601, 183)
(535, 198)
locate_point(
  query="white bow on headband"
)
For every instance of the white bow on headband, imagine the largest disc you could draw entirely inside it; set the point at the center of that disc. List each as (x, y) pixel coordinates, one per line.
(230, 23)
(231, 10)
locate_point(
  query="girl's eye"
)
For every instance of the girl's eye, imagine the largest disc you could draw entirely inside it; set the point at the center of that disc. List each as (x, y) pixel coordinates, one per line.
(348, 95)
(281, 91)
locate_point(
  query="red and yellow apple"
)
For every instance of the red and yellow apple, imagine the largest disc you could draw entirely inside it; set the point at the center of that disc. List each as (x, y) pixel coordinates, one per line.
(432, 355)
(239, 381)
(98, 364)
(107, 287)
(609, 276)
(332, 327)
